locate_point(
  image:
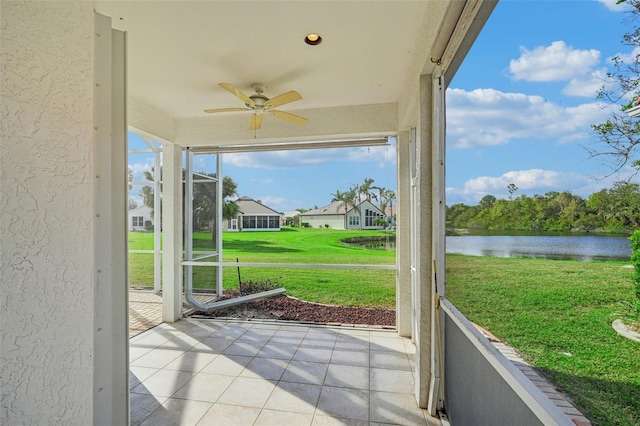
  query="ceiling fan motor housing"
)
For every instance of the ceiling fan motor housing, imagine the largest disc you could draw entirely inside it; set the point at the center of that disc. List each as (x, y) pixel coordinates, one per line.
(259, 99)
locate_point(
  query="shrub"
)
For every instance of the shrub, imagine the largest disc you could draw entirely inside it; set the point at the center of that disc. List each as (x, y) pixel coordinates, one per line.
(326, 225)
(305, 224)
(148, 226)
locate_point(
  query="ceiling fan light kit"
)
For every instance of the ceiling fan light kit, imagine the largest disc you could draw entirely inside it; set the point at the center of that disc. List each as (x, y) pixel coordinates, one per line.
(260, 105)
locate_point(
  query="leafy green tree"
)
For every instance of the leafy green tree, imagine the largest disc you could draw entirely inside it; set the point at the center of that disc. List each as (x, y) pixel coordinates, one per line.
(619, 136)
(204, 202)
(147, 196)
(487, 201)
(615, 209)
(147, 191)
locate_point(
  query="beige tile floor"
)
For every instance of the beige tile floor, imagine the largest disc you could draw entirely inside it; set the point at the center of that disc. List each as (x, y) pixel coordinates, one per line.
(353, 362)
(217, 372)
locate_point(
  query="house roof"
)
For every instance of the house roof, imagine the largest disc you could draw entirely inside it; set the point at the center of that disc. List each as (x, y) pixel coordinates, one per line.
(141, 210)
(336, 207)
(291, 213)
(248, 205)
(362, 81)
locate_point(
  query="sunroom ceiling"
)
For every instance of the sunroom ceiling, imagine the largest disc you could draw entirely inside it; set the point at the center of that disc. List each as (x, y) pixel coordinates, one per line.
(361, 81)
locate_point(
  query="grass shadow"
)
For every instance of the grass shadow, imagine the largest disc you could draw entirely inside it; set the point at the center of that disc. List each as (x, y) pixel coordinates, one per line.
(598, 398)
(258, 246)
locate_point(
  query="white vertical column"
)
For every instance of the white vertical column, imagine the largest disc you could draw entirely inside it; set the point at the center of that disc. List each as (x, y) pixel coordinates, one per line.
(219, 224)
(439, 181)
(157, 212)
(111, 363)
(403, 237)
(171, 233)
(437, 241)
(422, 291)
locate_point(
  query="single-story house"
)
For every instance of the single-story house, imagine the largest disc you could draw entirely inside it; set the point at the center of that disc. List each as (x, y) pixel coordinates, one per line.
(291, 218)
(138, 217)
(253, 216)
(362, 216)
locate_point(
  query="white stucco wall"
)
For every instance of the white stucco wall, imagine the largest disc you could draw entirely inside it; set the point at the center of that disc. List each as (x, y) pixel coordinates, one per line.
(334, 221)
(46, 201)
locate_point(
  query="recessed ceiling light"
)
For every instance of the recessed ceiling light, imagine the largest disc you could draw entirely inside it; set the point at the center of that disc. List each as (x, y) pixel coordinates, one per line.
(313, 39)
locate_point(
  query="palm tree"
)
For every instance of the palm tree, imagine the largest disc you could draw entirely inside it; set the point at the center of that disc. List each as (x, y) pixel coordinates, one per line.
(389, 197)
(352, 197)
(365, 189)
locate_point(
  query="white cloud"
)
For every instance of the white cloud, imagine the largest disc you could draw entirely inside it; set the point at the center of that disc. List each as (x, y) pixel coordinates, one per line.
(139, 168)
(587, 85)
(614, 7)
(488, 117)
(557, 62)
(275, 203)
(532, 181)
(630, 57)
(383, 156)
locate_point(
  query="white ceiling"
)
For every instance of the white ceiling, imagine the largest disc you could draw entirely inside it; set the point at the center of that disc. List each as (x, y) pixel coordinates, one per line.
(372, 53)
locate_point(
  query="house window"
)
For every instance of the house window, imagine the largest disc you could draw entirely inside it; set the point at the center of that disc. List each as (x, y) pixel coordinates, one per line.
(137, 221)
(263, 222)
(354, 220)
(370, 216)
(249, 222)
(260, 222)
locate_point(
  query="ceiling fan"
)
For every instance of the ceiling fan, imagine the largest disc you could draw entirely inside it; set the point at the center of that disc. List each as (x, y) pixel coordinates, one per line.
(261, 105)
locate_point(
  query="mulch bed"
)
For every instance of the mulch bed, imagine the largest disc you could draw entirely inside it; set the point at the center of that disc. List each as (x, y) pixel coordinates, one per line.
(287, 308)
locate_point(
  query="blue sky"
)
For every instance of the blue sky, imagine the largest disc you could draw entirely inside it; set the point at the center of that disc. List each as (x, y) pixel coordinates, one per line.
(520, 107)
(519, 111)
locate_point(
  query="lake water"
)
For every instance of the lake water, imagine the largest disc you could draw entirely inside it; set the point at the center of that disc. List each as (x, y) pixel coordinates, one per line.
(583, 247)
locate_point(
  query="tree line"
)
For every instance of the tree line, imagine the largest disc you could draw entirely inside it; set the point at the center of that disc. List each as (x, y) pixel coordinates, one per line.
(616, 209)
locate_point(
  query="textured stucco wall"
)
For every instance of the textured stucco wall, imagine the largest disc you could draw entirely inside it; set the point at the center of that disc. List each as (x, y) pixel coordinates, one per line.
(46, 204)
(334, 221)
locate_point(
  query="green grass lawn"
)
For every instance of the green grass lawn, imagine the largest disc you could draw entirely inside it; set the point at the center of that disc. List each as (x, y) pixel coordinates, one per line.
(299, 245)
(557, 315)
